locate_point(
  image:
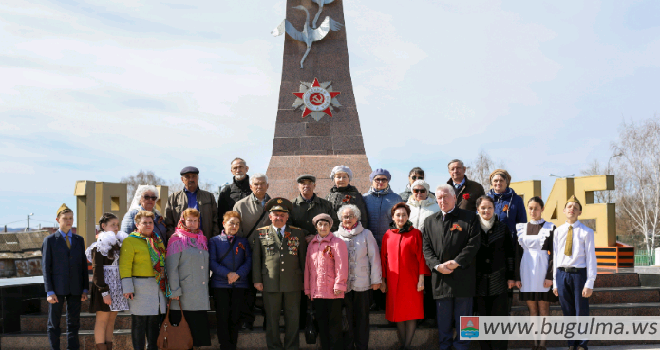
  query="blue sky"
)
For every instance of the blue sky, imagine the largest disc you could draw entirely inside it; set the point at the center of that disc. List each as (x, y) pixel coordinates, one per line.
(98, 90)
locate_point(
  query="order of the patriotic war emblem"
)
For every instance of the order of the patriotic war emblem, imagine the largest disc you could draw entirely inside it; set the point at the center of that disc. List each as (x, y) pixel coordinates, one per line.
(316, 99)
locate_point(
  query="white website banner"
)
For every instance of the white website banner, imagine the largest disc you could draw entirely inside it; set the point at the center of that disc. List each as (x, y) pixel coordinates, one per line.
(560, 327)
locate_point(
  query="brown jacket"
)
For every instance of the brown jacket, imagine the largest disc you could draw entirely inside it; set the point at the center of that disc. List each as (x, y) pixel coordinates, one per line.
(470, 189)
(251, 209)
(208, 208)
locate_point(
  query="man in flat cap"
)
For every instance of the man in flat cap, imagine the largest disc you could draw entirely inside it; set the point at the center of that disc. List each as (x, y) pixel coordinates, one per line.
(307, 205)
(574, 266)
(191, 196)
(64, 267)
(278, 262)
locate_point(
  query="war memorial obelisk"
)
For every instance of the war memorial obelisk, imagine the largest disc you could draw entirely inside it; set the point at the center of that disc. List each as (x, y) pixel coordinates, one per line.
(317, 125)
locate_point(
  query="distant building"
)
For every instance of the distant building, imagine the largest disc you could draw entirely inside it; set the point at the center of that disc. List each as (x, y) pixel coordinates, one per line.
(20, 253)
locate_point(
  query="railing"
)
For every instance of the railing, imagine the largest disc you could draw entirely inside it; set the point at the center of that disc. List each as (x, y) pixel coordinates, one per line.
(642, 258)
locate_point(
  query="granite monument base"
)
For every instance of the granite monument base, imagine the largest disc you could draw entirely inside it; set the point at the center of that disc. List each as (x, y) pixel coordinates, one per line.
(283, 171)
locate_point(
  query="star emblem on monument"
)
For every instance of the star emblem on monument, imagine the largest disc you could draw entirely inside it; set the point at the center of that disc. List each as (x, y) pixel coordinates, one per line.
(317, 98)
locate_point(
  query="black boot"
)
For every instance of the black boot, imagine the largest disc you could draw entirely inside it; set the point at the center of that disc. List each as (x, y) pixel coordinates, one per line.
(153, 330)
(138, 331)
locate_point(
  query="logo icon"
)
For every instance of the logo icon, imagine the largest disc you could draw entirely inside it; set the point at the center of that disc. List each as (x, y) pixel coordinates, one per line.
(469, 327)
(316, 99)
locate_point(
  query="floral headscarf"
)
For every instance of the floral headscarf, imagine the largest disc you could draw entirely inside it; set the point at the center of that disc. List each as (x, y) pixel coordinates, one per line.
(157, 255)
(184, 238)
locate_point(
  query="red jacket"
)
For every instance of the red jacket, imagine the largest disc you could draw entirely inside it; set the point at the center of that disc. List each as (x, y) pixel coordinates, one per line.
(326, 267)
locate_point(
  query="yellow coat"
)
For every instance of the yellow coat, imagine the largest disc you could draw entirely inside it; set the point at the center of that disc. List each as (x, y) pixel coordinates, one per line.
(134, 259)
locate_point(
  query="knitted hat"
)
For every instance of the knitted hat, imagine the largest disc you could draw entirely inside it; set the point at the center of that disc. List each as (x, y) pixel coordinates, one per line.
(420, 183)
(342, 169)
(380, 172)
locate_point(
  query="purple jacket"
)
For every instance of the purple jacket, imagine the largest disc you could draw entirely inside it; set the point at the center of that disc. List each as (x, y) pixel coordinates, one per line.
(326, 267)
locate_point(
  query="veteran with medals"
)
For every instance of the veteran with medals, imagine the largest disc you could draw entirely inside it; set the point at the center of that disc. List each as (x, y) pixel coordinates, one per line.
(278, 262)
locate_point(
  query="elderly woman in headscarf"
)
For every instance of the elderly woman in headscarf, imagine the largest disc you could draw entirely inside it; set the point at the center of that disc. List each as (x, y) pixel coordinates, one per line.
(188, 274)
(145, 199)
(342, 192)
(144, 280)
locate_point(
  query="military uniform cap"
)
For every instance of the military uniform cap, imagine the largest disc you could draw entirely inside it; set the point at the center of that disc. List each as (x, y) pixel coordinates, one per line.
(189, 170)
(574, 200)
(279, 204)
(309, 177)
(62, 208)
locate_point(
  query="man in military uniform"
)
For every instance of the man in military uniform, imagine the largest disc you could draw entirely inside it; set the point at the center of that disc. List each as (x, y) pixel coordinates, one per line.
(278, 262)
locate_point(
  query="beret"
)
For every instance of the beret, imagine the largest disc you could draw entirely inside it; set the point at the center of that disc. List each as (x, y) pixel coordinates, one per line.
(380, 172)
(322, 217)
(342, 169)
(306, 177)
(189, 170)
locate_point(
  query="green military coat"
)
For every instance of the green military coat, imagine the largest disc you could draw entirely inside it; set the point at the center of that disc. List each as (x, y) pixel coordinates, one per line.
(279, 264)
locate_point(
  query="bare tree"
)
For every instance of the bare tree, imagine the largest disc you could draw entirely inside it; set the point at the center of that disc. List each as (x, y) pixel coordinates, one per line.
(638, 180)
(595, 169)
(177, 185)
(480, 169)
(142, 178)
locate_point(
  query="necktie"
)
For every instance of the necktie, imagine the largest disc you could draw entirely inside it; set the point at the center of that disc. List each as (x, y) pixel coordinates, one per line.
(279, 232)
(68, 243)
(568, 247)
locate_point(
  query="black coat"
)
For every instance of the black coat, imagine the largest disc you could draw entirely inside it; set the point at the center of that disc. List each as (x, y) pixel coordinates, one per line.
(64, 269)
(348, 195)
(442, 243)
(467, 195)
(495, 260)
(231, 194)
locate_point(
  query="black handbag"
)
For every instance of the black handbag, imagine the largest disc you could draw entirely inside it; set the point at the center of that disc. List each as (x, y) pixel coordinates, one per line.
(311, 328)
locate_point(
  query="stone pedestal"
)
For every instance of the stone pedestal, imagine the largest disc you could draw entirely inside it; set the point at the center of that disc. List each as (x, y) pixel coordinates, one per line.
(304, 145)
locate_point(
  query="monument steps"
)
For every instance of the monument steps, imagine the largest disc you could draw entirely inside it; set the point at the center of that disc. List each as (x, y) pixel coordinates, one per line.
(380, 339)
(614, 295)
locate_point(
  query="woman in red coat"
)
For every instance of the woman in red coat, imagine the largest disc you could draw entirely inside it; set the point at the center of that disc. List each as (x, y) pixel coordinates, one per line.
(403, 274)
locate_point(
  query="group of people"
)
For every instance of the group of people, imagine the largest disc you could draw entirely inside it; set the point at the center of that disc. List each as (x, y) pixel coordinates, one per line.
(417, 255)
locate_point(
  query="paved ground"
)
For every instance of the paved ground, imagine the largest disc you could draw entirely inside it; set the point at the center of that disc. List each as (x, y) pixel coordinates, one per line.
(617, 347)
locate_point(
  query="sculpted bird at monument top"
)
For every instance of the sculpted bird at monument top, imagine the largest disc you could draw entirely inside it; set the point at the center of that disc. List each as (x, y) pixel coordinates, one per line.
(308, 35)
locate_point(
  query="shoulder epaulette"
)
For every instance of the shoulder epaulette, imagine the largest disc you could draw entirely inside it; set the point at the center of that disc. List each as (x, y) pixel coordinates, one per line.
(263, 228)
(295, 228)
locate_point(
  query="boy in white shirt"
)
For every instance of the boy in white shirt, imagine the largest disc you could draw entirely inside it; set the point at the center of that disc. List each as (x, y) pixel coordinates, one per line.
(574, 266)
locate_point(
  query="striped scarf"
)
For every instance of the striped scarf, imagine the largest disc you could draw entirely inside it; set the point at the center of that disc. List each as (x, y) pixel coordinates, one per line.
(157, 255)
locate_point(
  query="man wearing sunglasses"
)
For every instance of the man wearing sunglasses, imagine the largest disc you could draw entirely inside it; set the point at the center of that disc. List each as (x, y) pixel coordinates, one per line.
(467, 191)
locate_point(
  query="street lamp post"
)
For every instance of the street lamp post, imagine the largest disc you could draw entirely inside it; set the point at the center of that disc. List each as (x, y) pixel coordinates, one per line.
(28, 226)
(610, 160)
(561, 176)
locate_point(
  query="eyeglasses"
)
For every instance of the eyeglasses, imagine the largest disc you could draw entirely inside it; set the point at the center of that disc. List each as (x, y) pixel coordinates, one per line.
(153, 198)
(415, 177)
(347, 217)
(419, 191)
(381, 179)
